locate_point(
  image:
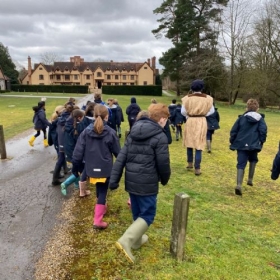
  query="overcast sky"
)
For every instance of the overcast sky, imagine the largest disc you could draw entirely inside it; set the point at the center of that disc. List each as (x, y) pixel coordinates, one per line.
(118, 30)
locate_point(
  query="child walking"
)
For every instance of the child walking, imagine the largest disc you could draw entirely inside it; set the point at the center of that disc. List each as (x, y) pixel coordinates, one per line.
(178, 119)
(96, 146)
(145, 157)
(247, 137)
(212, 125)
(40, 123)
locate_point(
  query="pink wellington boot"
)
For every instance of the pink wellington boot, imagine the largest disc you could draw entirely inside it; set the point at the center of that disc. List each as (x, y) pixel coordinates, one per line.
(99, 211)
(83, 191)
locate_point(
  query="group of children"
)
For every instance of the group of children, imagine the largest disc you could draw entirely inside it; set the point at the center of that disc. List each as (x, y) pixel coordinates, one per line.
(89, 139)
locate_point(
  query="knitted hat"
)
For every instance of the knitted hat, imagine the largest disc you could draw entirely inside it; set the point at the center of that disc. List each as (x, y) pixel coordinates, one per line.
(197, 85)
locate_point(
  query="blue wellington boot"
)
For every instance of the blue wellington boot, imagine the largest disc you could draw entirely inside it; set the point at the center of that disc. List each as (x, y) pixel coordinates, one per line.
(76, 183)
(71, 179)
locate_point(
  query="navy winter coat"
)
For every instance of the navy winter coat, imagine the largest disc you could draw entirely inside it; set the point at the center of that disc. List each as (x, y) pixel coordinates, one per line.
(176, 116)
(60, 129)
(40, 121)
(97, 151)
(249, 132)
(114, 119)
(70, 138)
(145, 157)
(213, 120)
(52, 135)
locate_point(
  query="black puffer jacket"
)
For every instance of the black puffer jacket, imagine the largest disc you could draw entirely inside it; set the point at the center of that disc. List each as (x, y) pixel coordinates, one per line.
(145, 157)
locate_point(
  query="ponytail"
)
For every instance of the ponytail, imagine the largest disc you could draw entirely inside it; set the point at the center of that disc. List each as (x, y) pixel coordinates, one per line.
(100, 113)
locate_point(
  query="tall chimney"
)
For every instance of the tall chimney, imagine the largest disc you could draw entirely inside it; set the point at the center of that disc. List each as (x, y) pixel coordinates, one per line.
(154, 62)
(29, 70)
(149, 62)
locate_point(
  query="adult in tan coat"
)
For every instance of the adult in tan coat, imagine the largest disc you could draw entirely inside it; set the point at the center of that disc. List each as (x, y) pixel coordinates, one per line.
(196, 106)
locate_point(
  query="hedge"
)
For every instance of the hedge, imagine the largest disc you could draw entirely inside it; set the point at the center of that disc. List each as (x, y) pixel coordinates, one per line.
(50, 88)
(132, 90)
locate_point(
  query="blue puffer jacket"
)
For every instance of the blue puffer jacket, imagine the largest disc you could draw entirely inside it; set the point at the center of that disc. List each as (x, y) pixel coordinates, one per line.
(60, 129)
(40, 121)
(249, 132)
(97, 151)
(145, 157)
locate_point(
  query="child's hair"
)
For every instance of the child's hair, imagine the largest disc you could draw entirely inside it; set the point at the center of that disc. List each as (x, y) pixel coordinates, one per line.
(174, 101)
(57, 111)
(179, 105)
(153, 101)
(77, 113)
(115, 101)
(252, 105)
(72, 100)
(97, 96)
(158, 111)
(69, 107)
(36, 108)
(100, 113)
(141, 114)
(90, 109)
(41, 104)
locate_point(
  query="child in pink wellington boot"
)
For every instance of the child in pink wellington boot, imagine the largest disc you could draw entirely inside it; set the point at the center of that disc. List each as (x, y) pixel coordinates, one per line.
(96, 146)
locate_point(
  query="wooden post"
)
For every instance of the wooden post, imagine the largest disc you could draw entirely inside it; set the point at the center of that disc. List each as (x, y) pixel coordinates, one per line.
(179, 225)
(3, 153)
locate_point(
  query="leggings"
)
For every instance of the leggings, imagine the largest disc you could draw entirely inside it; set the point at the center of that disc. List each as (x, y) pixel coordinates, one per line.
(39, 131)
(101, 189)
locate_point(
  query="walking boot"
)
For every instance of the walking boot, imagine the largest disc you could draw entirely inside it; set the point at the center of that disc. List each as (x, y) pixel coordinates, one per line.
(99, 212)
(71, 179)
(190, 165)
(83, 191)
(46, 144)
(197, 172)
(252, 166)
(208, 142)
(130, 237)
(56, 174)
(240, 175)
(31, 140)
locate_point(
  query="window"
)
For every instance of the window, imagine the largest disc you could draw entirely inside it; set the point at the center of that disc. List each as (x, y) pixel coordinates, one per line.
(124, 84)
(67, 77)
(87, 84)
(124, 77)
(145, 83)
(108, 84)
(116, 77)
(41, 84)
(76, 77)
(145, 67)
(58, 77)
(51, 77)
(108, 77)
(132, 77)
(116, 84)
(132, 84)
(88, 77)
(41, 77)
(99, 74)
(40, 68)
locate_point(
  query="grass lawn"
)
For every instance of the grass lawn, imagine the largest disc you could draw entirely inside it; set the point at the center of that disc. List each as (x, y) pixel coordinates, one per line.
(228, 237)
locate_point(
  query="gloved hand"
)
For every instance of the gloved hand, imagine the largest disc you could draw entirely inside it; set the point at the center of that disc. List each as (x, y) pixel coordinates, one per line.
(113, 186)
(75, 170)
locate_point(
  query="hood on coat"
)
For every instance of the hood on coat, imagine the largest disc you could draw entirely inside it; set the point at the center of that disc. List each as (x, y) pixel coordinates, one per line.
(252, 116)
(69, 124)
(91, 133)
(145, 128)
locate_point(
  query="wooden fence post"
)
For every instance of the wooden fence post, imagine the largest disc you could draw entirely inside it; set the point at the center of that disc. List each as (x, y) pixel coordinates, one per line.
(179, 225)
(3, 153)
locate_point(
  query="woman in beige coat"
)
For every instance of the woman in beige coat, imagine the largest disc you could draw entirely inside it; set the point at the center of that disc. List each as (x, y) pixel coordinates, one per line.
(195, 107)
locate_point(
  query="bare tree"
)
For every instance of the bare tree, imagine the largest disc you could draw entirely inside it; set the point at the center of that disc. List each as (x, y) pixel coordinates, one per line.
(234, 32)
(49, 58)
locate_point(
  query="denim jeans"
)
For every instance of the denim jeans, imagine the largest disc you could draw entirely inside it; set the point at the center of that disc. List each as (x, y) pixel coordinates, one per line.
(198, 156)
(143, 207)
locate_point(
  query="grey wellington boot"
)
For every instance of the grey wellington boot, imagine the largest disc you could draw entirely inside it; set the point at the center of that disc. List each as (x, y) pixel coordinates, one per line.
(252, 167)
(142, 240)
(240, 176)
(132, 235)
(208, 142)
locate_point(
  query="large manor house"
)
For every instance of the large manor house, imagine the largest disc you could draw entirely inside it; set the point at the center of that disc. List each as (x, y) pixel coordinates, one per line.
(92, 74)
